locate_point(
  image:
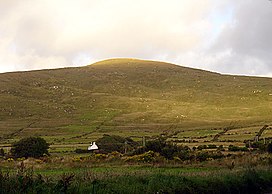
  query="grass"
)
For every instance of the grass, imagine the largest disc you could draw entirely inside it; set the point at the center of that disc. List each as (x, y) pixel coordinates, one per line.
(137, 180)
(127, 169)
(250, 172)
(130, 98)
(250, 182)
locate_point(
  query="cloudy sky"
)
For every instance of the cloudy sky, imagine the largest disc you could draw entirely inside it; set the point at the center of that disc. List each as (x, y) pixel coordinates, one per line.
(227, 36)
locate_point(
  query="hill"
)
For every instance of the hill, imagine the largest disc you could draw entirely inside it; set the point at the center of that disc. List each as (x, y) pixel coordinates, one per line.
(130, 97)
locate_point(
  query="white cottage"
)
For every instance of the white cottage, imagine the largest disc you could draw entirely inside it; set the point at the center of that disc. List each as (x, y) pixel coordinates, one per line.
(93, 146)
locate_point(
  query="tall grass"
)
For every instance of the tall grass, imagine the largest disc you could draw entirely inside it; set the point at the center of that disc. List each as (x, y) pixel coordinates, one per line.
(247, 181)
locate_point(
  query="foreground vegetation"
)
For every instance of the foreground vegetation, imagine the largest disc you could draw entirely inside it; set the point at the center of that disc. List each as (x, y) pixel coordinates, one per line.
(139, 180)
(163, 167)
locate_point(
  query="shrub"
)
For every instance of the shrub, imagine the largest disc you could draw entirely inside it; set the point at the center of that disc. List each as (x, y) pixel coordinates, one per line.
(201, 147)
(81, 151)
(237, 148)
(2, 152)
(221, 148)
(137, 151)
(184, 153)
(65, 182)
(269, 148)
(100, 156)
(212, 146)
(30, 147)
(257, 145)
(111, 143)
(156, 145)
(146, 157)
(203, 156)
(168, 150)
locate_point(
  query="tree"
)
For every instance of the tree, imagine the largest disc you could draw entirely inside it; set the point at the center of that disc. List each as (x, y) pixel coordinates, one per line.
(269, 148)
(2, 152)
(156, 145)
(30, 147)
(111, 143)
(168, 149)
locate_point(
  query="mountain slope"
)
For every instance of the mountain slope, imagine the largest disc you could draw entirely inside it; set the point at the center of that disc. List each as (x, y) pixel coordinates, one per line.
(127, 97)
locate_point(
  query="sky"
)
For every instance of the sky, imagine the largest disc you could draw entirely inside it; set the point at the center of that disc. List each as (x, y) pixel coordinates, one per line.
(225, 36)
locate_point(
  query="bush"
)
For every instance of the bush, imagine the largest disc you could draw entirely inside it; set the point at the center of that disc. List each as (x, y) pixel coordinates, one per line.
(257, 145)
(212, 146)
(137, 151)
(237, 148)
(269, 148)
(30, 147)
(184, 153)
(146, 157)
(203, 156)
(221, 148)
(156, 145)
(81, 151)
(201, 147)
(111, 143)
(2, 152)
(167, 149)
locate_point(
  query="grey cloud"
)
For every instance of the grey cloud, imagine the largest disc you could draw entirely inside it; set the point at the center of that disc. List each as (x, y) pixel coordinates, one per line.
(247, 40)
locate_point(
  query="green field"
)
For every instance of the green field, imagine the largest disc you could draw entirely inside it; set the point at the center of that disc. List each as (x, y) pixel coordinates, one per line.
(71, 107)
(99, 177)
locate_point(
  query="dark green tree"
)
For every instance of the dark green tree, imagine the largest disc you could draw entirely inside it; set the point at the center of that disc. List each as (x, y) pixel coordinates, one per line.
(30, 147)
(111, 143)
(168, 149)
(269, 148)
(156, 145)
(2, 152)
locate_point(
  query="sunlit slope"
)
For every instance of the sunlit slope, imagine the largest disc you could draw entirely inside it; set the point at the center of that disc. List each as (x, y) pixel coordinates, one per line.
(128, 96)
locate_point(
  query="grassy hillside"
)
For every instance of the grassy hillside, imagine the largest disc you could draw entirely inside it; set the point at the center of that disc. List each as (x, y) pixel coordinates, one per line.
(130, 97)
